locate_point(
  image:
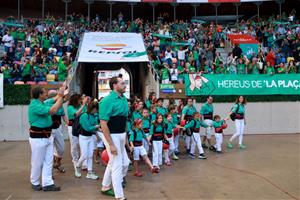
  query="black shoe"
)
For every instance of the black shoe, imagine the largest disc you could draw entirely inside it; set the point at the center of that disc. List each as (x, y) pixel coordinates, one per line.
(204, 146)
(49, 188)
(188, 151)
(36, 187)
(219, 152)
(177, 153)
(212, 148)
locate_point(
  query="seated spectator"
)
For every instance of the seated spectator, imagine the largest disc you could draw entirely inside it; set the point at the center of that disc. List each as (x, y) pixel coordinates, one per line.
(220, 69)
(40, 73)
(15, 74)
(269, 68)
(292, 69)
(27, 71)
(6, 70)
(241, 67)
(281, 69)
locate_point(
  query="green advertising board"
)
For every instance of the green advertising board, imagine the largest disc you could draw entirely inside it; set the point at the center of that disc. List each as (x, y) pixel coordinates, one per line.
(243, 84)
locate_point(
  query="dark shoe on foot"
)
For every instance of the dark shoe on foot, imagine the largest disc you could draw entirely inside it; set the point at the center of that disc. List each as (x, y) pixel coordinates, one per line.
(124, 183)
(219, 152)
(36, 187)
(192, 156)
(52, 188)
(204, 146)
(212, 148)
(202, 156)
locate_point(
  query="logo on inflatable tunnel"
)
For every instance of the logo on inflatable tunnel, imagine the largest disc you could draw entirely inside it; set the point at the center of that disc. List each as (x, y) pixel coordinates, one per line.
(112, 47)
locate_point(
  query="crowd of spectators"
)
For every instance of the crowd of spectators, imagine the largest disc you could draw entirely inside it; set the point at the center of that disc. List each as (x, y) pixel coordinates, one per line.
(35, 51)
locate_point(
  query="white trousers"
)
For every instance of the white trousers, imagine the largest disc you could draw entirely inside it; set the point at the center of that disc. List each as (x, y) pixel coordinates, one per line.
(239, 130)
(208, 131)
(41, 160)
(169, 151)
(196, 141)
(145, 143)
(59, 143)
(219, 141)
(74, 143)
(176, 143)
(187, 142)
(115, 168)
(157, 148)
(86, 144)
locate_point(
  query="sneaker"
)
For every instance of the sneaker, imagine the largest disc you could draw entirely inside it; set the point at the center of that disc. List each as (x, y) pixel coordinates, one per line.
(138, 174)
(51, 188)
(36, 187)
(92, 175)
(242, 146)
(192, 156)
(174, 157)
(77, 172)
(154, 170)
(108, 192)
(229, 145)
(204, 146)
(168, 164)
(212, 148)
(202, 156)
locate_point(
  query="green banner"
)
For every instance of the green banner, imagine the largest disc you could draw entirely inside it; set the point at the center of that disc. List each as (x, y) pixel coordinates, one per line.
(243, 84)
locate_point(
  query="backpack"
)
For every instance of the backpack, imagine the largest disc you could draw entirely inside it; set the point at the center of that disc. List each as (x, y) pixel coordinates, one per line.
(76, 127)
(233, 115)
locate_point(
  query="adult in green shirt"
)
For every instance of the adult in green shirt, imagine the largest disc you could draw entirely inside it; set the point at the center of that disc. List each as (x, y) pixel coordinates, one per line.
(241, 67)
(269, 68)
(40, 138)
(62, 70)
(187, 115)
(89, 125)
(58, 138)
(253, 67)
(207, 112)
(76, 106)
(113, 112)
(239, 110)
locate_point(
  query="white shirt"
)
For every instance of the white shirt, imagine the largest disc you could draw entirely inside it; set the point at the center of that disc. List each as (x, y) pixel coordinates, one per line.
(181, 54)
(8, 40)
(168, 55)
(52, 50)
(174, 74)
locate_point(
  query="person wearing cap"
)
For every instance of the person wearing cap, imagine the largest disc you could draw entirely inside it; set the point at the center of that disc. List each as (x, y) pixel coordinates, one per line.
(58, 138)
(113, 113)
(41, 139)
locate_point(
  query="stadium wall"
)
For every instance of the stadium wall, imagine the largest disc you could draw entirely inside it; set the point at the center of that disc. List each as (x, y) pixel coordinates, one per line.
(262, 118)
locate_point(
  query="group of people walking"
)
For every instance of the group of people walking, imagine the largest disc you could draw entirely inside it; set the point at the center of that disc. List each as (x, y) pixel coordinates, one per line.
(128, 130)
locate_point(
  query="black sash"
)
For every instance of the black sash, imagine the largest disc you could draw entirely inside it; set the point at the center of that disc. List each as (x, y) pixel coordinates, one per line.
(117, 124)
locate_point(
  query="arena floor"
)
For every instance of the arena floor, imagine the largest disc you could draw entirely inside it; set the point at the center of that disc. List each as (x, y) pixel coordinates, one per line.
(267, 169)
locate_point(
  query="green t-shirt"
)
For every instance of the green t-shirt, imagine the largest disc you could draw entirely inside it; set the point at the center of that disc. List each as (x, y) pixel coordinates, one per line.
(198, 124)
(7, 73)
(281, 70)
(50, 102)
(169, 127)
(146, 123)
(175, 118)
(88, 122)
(180, 69)
(241, 68)
(192, 69)
(253, 69)
(216, 124)
(21, 36)
(187, 110)
(293, 70)
(113, 105)
(270, 70)
(238, 108)
(14, 34)
(207, 109)
(38, 114)
(161, 110)
(158, 128)
(221, 70)
(164, 74)
(26, 70)
(136, 135)
(136, 115)
(62, 72)
(46, 43)
(71, 110)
